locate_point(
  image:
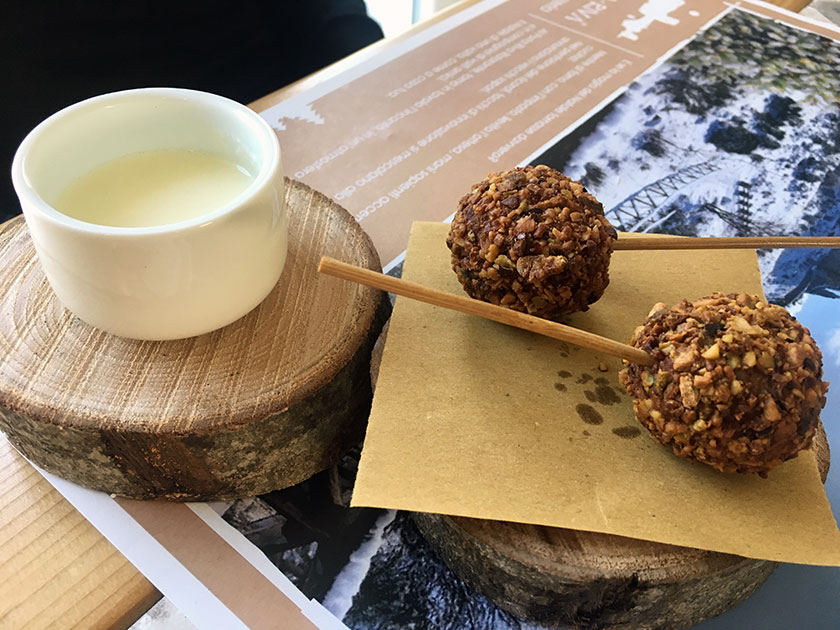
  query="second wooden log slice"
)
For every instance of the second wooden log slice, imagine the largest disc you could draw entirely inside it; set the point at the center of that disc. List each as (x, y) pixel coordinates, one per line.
(261, 404)
(595, 581)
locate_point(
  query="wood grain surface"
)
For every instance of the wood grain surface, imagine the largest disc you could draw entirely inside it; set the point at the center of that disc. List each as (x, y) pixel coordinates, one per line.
(68, 585)
(261, 404)
(56, 570)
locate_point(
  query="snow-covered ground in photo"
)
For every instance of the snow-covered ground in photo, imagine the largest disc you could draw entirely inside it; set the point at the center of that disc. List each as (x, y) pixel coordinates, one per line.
(339, 598)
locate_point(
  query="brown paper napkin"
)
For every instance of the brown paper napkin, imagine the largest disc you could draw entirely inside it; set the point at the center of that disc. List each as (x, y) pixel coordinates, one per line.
(476, 419)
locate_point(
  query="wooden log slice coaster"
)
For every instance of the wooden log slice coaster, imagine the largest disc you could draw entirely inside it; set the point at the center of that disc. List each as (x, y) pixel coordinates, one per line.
(261, 404)
(587, 580)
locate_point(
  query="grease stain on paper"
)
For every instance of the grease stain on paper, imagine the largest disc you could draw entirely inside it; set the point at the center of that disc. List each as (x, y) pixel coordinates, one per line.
(589, 415)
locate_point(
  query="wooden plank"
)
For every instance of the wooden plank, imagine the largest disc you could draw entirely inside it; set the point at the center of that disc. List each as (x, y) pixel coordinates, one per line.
(56, 569)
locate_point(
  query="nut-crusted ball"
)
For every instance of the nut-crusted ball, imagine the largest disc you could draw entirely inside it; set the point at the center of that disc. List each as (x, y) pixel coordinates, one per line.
(737, 383)
(533, 240)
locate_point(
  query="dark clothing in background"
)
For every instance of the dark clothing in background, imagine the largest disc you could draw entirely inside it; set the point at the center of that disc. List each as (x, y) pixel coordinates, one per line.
(53, 54)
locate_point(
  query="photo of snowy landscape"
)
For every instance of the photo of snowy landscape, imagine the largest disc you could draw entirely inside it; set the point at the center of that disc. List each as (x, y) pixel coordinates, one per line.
(371, 568)
(737, 134)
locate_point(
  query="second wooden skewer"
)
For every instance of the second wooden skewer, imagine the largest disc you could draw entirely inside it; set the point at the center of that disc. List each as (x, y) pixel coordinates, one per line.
(415, 291)
(725, 242)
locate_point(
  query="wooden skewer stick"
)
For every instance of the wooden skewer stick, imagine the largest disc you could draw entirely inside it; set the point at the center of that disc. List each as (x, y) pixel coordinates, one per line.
(464, 304)
(716, 242)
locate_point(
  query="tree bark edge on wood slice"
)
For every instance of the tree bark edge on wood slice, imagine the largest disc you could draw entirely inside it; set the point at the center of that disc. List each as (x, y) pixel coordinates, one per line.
(261, 404)
(666, 587)
(626, 603)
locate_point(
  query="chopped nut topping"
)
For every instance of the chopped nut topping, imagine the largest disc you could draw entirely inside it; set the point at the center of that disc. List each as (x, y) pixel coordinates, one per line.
(712, 353)
(771, 411)
(659, 306)
(687, 391)
(741, 325)
(766, 361)
(685, 358)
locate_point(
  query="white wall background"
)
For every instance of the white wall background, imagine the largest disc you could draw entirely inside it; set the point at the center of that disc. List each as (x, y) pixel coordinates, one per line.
(395, 16)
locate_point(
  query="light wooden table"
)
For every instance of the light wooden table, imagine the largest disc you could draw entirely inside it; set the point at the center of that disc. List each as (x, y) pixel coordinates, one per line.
(56, 570)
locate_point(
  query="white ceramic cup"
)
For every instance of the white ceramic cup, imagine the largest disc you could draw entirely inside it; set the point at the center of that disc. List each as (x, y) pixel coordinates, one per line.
(167, 281)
